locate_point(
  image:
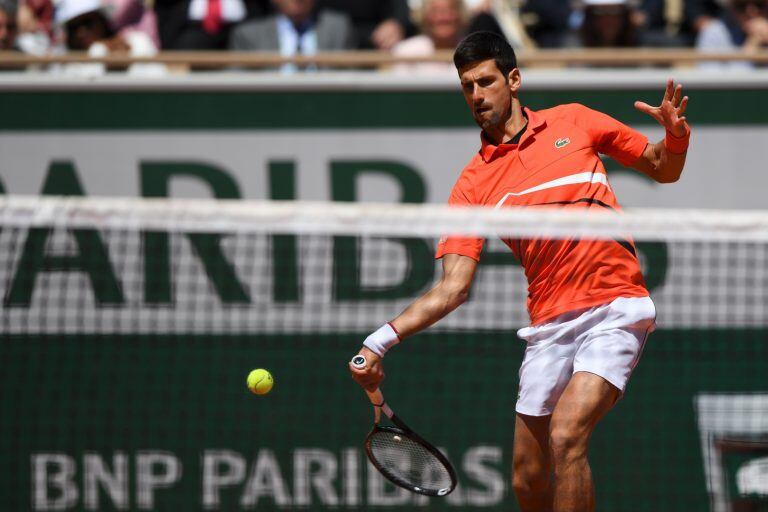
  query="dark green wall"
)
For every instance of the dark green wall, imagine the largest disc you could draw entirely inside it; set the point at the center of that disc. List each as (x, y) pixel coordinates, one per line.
(342, 109)
(184, 394)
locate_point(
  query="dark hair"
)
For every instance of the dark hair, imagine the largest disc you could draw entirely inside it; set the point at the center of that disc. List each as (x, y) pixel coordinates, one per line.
(480, 46)
(94, 20)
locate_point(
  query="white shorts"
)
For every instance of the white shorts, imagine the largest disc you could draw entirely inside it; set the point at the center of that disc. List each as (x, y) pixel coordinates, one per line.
(606, 340)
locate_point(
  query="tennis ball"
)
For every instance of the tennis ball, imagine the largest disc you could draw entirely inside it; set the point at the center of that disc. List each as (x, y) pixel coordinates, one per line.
(260, 381)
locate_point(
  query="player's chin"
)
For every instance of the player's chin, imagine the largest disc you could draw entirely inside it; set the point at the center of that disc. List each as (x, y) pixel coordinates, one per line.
(486, 119)
(481, 121)
(486, 124)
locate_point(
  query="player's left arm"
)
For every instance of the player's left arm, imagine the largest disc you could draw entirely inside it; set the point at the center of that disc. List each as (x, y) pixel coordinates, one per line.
(663, 161)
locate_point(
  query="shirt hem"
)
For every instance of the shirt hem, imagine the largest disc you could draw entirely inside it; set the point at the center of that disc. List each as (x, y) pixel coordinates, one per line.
(439, 255)
(550, 314)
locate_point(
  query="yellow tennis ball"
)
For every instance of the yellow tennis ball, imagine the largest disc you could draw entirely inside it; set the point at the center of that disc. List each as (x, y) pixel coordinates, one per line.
(260, 381)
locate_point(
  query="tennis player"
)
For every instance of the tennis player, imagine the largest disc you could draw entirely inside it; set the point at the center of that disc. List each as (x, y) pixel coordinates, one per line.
(590, 310)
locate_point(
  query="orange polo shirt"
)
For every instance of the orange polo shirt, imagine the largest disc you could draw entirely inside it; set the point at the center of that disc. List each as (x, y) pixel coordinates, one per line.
(556, 163)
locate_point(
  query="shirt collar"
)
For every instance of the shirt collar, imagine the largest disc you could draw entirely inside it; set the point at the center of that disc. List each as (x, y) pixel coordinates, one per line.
(535, 123)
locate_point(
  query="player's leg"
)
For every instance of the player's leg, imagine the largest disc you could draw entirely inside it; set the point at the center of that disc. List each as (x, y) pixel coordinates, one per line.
(544, 373)
(608, 351)
(531, 463)
(586, 399)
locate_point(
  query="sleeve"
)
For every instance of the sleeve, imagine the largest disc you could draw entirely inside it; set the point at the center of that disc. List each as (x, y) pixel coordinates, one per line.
(611, 137)
(465, 246)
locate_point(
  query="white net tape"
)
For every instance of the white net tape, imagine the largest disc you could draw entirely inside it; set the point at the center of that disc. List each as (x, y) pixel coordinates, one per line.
(705, 268)
(424, 220)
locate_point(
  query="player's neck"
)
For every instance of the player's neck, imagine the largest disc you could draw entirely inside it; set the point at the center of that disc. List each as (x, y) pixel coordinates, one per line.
(509, 128)
(516, 121)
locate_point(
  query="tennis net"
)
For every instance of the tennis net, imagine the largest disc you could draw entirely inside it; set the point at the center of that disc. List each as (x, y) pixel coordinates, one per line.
(128, 327)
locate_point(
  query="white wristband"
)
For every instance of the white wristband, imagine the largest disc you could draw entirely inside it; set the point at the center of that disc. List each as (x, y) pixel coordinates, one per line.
(382, 340)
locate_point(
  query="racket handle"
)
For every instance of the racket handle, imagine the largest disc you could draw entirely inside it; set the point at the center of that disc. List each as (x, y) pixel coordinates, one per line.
(376, 397)
(359, 361)
(379, 405)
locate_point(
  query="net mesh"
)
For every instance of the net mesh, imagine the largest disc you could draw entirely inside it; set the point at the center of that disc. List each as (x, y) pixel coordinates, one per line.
(408, 462)
(129, 326)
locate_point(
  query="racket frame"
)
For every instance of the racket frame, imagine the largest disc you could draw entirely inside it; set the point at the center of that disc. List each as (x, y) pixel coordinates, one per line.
(376, 398)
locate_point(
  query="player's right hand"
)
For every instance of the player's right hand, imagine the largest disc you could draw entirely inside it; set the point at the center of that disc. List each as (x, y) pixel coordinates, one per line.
(369, 377)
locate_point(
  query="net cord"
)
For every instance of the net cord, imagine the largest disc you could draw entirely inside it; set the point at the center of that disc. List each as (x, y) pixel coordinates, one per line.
(380, 219)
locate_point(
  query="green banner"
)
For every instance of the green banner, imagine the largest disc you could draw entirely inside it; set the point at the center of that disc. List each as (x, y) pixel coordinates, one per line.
(166, 422)
(185, 110)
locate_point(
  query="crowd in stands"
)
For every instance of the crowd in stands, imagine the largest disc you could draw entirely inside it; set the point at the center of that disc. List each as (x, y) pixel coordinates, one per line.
(403, 27)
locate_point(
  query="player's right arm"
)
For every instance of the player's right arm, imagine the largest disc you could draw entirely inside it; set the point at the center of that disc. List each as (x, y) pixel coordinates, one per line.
(450, 292)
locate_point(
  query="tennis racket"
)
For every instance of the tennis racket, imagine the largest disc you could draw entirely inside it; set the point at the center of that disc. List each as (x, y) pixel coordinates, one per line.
(403, 456)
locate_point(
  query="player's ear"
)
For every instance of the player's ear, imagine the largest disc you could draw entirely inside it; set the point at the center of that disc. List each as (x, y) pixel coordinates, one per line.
(514, 80)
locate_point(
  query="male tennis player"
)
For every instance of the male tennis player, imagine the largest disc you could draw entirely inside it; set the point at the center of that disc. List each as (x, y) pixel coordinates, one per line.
(589, 307)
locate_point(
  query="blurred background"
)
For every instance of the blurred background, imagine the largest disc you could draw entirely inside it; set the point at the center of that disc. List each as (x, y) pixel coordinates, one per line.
(400, 28)
(124, 348)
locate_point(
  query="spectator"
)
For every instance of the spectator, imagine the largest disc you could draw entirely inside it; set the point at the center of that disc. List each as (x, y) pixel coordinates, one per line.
(133, 15)
(87, 28)
(298, 28)
(547, 21)
(608, 24)
(378, 24)
(482, 17)
(742, 26)
(203, 24)
(664, 23)
(7, 25)
(442, 26)
(699, 13)
(35, 26)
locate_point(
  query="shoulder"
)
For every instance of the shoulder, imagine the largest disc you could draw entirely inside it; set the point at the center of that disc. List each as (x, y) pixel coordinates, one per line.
(714, 34)
(466, 179)
(334, 30)
(333, 18)
(474, 164)
(573, 115)
(566, 111)
(579, 115)
(715, 26)
(255, 25)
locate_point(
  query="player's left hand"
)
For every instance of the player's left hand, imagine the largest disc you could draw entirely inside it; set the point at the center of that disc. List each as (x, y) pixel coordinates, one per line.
(670, 113)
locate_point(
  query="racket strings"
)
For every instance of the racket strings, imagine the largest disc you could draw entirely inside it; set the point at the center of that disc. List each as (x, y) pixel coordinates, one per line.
(406, 460)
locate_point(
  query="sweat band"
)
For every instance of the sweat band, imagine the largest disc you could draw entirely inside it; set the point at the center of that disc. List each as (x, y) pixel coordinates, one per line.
(384, 338)
(677, 145)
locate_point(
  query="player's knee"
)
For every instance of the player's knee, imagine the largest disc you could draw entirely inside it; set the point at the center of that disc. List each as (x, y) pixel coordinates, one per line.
(567, 444)
(530, 475)
(532, 483)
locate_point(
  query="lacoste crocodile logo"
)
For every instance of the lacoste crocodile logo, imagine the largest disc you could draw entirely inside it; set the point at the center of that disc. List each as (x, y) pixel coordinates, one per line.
(561, 143)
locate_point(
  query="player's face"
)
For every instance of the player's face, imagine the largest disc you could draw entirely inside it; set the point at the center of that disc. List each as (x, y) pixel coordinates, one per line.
(488, 93)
